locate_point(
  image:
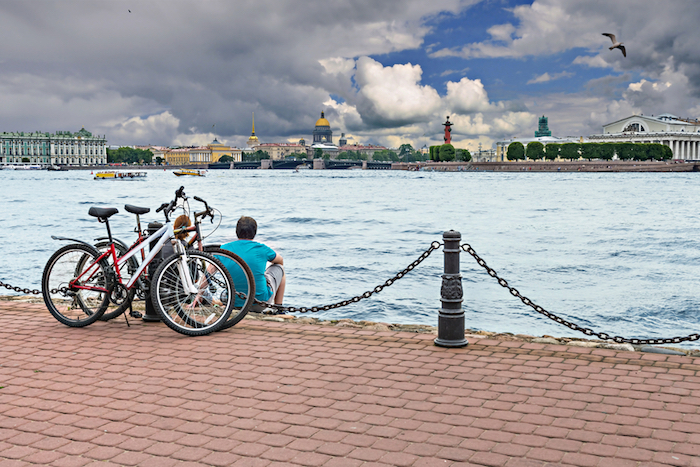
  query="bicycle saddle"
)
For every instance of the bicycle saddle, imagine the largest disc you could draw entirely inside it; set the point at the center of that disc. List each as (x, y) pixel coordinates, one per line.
(102, 213)
(136, 210)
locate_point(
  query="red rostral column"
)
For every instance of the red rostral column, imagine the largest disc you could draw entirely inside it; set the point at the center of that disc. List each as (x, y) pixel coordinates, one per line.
(448, 130)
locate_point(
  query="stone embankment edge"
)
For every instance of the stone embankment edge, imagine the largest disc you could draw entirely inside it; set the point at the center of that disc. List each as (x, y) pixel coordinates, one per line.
(426, 329)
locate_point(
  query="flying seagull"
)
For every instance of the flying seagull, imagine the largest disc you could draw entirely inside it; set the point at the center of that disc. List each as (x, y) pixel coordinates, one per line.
(616, 45)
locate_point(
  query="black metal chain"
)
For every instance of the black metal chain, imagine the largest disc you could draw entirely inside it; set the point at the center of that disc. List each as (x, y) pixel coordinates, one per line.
(290, 309)
(589, 332)
(19, 289)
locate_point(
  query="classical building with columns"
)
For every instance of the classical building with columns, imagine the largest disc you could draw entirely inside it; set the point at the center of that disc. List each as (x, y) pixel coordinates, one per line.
(61, 148)
(682, 135)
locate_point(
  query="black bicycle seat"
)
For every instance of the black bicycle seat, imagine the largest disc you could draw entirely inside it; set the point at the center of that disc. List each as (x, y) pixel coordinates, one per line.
(102, 213)
(136, 209)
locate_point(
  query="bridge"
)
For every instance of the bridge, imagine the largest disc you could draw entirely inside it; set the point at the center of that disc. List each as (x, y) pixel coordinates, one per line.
(293, 164)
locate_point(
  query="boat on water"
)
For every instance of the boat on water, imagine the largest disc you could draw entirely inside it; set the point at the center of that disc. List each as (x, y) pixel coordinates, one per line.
(22, 167)
(192, 172)
(114, 175)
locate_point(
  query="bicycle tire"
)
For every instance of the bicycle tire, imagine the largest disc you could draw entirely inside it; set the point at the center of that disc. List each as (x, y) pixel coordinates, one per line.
(114, 310)
(240, 310)
(187, 314)
(71, 306)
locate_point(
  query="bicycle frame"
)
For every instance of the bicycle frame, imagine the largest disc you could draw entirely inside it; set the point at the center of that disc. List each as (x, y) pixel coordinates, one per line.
(165, 233)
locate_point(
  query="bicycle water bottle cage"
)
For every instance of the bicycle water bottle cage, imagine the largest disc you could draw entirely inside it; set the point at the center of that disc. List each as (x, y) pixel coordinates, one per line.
(136, 209)
(102, 213)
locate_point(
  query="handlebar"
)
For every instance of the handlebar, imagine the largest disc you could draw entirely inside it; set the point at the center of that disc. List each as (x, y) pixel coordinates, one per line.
(207, 210)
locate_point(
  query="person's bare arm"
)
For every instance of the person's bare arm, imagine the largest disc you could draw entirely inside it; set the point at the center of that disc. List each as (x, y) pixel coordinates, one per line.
(278, 260)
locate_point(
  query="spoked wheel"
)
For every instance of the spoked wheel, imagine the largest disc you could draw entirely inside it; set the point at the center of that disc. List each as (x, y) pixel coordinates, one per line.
(75, 288)
(193, 314)
(120, 299)
(243, 279)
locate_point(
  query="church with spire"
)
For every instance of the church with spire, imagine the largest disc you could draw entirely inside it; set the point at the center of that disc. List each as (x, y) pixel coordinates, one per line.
(253, 140)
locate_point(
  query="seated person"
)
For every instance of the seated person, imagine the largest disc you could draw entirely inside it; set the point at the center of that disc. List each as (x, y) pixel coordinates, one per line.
(269, 281)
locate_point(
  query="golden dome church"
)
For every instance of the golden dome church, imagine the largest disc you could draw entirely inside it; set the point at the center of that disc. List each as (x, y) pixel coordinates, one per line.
(323, 133)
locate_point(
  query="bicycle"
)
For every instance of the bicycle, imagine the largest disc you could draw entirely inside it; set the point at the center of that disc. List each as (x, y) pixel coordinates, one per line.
(239, 270)
(192, 292)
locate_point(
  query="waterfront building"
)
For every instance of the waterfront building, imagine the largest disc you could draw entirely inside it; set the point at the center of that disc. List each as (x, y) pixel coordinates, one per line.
(278, 151)
(682, 135)
(198, 155)
(61, 148)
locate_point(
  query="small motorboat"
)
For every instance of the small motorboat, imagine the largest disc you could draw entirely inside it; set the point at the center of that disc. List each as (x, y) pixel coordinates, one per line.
(192, 172)
(114, 175)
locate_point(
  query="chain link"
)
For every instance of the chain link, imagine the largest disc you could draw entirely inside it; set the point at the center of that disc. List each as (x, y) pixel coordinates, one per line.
(589, 332)
(19, 289)
(279, 309)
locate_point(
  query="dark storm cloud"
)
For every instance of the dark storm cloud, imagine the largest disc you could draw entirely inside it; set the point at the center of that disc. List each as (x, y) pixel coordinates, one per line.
(205, 62)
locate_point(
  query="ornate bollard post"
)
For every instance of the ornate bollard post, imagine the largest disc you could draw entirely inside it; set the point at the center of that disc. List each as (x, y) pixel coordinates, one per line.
(451, 315)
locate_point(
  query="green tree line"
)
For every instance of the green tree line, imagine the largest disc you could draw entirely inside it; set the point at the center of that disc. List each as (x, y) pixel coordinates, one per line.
(129, 156)
(589, 151)
(448, 153)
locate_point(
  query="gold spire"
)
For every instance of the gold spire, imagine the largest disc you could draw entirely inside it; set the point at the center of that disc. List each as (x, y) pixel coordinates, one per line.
(253, 134)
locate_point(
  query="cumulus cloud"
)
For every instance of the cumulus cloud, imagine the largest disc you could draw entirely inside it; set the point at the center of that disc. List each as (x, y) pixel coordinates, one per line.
(393, 95)
(545, 77)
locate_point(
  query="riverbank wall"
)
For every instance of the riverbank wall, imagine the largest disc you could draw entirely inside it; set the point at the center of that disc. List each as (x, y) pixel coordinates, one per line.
(552, 166)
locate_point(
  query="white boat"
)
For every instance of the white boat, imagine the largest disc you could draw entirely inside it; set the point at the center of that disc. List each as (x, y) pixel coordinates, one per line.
(23, 167)
(114, 175)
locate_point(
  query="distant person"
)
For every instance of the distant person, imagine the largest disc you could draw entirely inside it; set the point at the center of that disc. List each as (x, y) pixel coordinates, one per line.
(270, 280)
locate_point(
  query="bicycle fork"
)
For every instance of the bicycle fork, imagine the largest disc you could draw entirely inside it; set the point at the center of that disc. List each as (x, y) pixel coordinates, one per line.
(183, 269)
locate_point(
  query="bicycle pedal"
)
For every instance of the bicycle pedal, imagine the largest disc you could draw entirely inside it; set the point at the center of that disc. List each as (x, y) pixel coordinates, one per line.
(135, 314)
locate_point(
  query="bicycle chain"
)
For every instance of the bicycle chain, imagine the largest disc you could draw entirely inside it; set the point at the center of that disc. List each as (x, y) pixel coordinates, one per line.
(290, 309)
(587, 331)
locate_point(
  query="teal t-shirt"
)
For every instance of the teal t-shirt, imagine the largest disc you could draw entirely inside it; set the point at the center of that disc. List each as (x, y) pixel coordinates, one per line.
(256, 255)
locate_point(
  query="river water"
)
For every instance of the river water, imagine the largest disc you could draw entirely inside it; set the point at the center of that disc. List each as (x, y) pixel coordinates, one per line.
(616, 252)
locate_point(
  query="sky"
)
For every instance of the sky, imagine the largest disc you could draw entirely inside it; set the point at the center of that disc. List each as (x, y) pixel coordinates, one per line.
(176, 72)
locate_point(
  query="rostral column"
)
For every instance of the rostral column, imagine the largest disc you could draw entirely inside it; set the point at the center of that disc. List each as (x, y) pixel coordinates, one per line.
(448, 130)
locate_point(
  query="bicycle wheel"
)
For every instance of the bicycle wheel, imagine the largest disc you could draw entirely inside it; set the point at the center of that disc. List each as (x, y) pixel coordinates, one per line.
(67, 301)
(242, 278)
(119, 299)
(193, 314)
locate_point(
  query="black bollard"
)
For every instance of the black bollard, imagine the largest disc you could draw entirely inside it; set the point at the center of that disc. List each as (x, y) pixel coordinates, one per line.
(151, 314)
(451, 315)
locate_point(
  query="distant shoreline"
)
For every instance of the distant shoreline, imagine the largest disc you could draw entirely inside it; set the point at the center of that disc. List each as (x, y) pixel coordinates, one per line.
(519, 166)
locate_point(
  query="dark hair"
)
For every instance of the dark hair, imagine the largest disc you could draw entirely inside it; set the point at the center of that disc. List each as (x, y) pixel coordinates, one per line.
(246, 228)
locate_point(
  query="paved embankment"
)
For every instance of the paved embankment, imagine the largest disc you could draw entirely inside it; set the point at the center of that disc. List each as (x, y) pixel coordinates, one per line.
(270, 393)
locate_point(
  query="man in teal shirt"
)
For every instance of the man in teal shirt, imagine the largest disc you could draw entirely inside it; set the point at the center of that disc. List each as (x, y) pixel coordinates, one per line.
(269, 281)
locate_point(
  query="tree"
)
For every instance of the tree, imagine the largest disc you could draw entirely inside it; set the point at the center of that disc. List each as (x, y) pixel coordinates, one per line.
(129, 155)
(516, 151)
(434, 152)
(551, 151)
(463, 155)
(569, 151)
(405, 150)
(606, 151)
(625, 151)
(535, 150)
(447, 153)
(226, 158)
(667, 153)
(318, 153)
(655, 151)
(159, 160)
(590, 151)
(25, 159)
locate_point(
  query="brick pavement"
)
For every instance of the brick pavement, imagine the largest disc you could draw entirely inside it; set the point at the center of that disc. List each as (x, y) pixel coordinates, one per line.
(268, 394)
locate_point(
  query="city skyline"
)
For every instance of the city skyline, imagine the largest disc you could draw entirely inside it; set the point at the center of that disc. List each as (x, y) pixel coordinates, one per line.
(383, 73)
